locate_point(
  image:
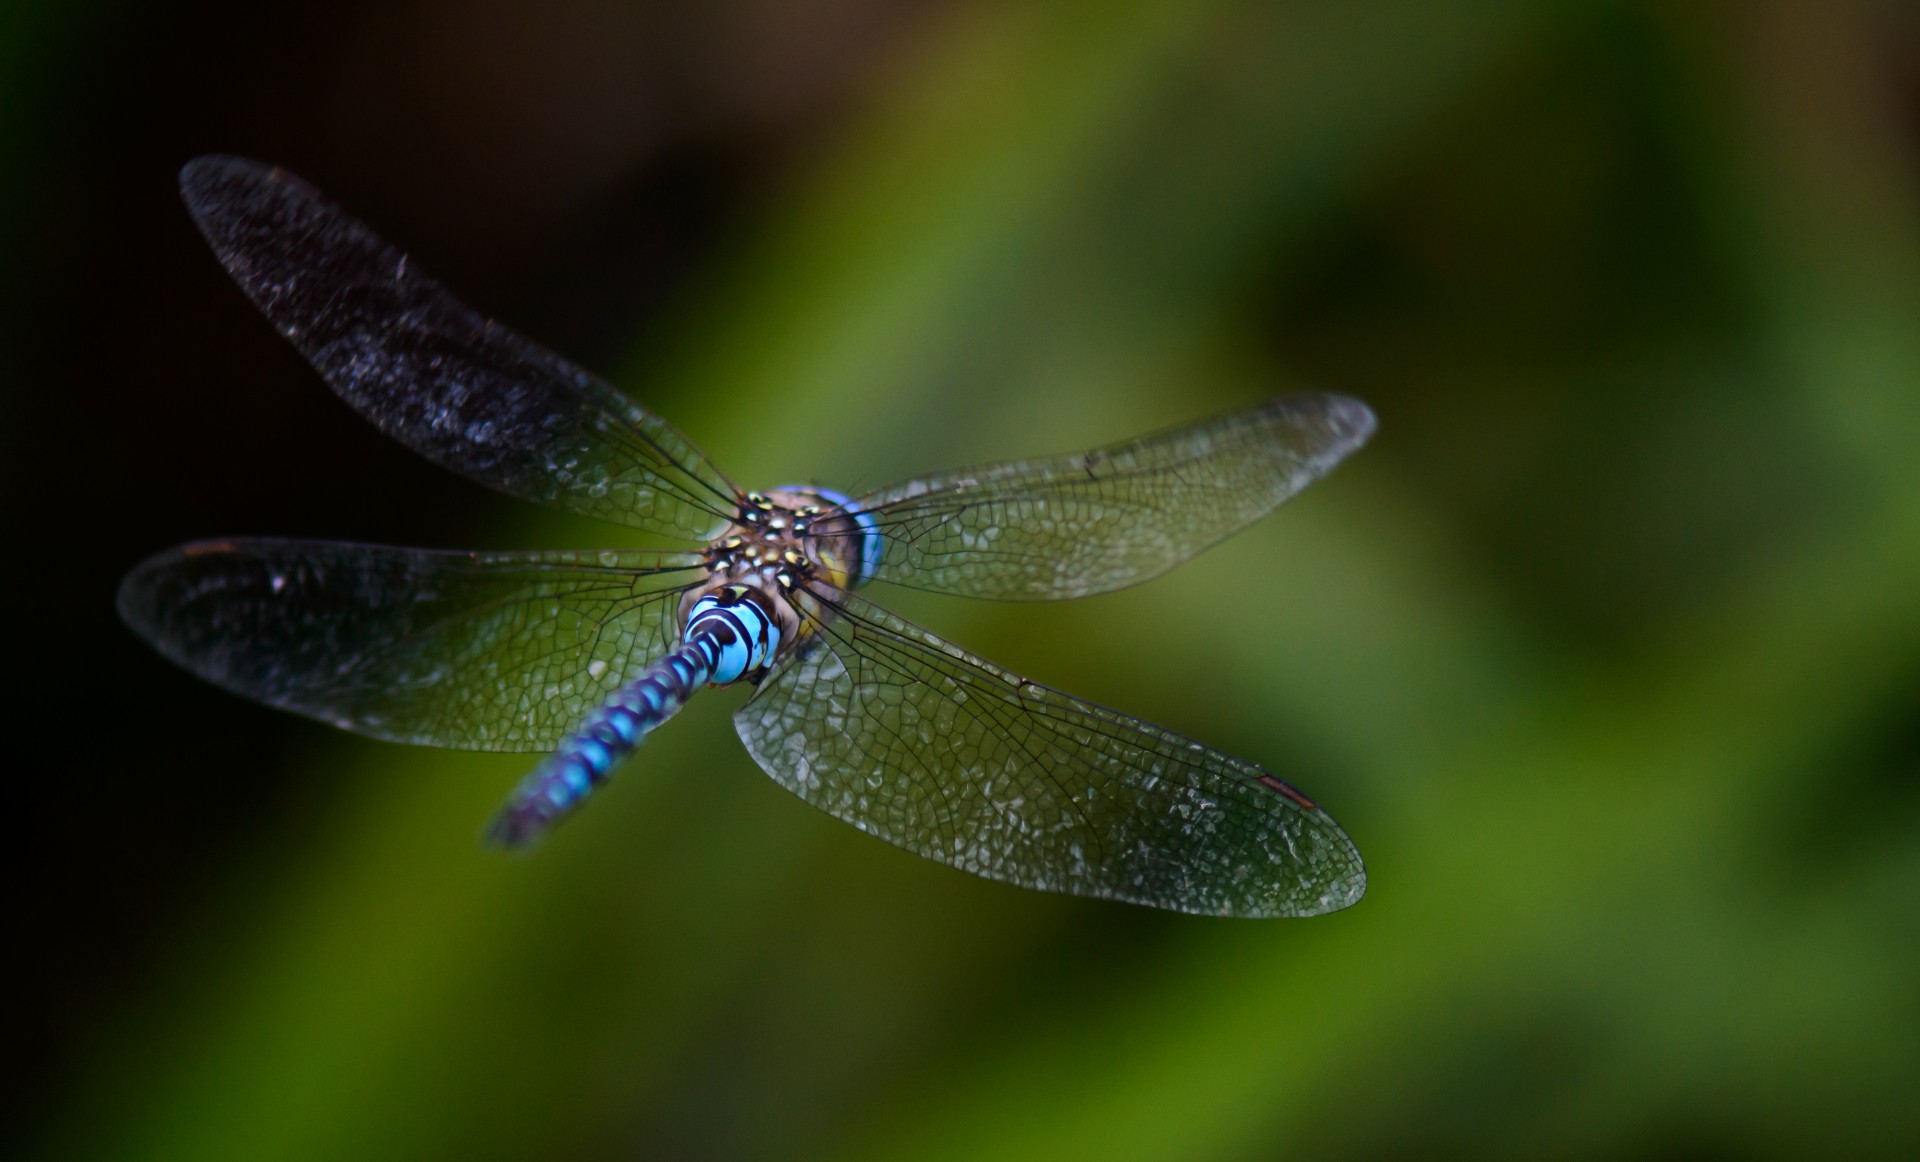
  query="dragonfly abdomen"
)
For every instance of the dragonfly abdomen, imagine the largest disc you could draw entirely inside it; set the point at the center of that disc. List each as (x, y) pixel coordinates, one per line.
(728, 636)
(736, 632)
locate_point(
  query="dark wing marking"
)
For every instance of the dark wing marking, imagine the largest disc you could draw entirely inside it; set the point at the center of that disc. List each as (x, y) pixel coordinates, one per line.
(461, 390)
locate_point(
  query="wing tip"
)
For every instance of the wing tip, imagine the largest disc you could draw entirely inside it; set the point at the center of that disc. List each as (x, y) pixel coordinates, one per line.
(1335, 895)
(1334, 425)
(208, 179)
(209, 168)
(150, 588)
(1349, 419)
(1343, 894)
(135, 600)
(233, 198)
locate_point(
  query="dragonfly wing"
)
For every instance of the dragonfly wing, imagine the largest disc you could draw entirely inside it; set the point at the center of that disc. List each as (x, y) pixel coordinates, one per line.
(461, 390)
(1068, 526)
(484, 651)
(912, 739)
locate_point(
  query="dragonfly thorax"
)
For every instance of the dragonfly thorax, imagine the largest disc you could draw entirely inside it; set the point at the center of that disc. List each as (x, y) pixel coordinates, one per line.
(783, 548)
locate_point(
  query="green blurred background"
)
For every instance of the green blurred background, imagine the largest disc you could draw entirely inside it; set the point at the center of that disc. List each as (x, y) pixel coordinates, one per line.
(1605, 650)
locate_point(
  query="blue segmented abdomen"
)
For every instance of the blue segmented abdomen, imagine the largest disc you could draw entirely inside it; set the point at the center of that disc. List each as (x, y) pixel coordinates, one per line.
(737, 632)
(728, 635)
(872, 543)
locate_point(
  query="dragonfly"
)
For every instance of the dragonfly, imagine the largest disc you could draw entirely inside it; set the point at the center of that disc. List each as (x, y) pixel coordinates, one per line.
(859, 712)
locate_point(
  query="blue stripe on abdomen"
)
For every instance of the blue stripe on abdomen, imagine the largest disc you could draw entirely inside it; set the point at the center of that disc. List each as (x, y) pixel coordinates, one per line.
(736, 634)
(728, 635)
(584, 760)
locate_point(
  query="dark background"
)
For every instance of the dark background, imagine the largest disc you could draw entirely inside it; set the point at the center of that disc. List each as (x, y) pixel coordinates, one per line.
(1605, 651)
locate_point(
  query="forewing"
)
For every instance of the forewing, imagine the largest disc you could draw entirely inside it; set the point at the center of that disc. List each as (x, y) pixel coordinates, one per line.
(912, 739)
(461, 390)
(1068, 526)
(485, 651)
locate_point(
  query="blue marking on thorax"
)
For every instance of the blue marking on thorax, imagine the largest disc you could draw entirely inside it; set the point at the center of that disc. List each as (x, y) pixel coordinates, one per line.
(872, 544)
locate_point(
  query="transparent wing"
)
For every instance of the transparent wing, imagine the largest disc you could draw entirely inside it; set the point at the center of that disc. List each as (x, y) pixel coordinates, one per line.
(1067, 526)
(484, 651)
(916, 741)
(461, 390)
